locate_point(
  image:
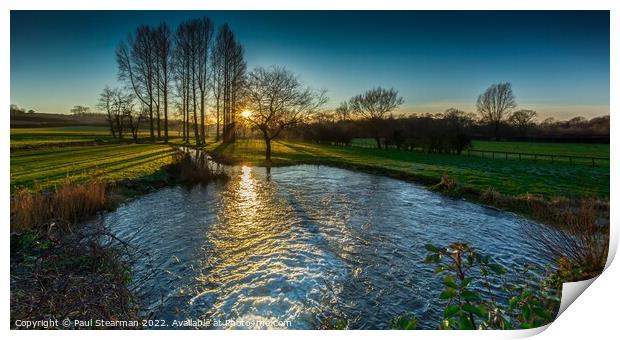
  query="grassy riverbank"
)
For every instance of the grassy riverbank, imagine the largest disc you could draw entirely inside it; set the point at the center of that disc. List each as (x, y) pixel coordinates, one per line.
(509, 177)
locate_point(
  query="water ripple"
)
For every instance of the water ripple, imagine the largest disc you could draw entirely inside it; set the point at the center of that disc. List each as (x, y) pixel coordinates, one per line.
(304, 242)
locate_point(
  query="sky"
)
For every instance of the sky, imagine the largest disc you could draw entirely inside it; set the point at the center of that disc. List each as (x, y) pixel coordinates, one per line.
(556, 61)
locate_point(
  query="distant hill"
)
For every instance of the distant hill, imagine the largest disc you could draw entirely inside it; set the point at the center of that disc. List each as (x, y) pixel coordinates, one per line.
(31, 120)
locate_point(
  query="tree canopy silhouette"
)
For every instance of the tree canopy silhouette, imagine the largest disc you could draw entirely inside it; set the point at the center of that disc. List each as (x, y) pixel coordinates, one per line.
(495, 104)
(278, 100)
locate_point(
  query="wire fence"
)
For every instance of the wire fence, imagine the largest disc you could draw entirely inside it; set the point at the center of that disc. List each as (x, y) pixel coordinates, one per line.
(495, 154)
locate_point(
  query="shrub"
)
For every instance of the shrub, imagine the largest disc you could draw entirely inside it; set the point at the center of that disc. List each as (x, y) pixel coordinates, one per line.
(81, 275)
(465, 308)
(448, 186)
(404, 322)
(195, 169)
(582, 240)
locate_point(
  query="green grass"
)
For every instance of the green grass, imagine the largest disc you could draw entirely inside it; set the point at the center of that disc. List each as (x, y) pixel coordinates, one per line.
(21, 137)
(51, 165)
(563, 149)
(43, 137)
(510, 177)
(111, 162)
(567, 149)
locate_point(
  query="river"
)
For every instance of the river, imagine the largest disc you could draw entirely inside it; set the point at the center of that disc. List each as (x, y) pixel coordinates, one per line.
(292, 246)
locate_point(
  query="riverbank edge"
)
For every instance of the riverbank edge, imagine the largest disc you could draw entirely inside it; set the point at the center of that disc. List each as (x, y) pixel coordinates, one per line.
(533, 207)
(33, 243)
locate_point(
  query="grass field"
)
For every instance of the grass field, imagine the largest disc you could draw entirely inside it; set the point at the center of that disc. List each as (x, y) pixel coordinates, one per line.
(507, 176)
(50, 165)
(567, 149)
(112, 162)
(21, 137)
(563, 149)
(42, 137)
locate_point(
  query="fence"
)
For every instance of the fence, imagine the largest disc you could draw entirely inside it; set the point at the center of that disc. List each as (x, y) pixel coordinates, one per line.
(571, 159)
(506, 155)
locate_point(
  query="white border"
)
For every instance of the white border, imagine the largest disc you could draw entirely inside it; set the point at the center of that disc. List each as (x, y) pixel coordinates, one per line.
(593, 315)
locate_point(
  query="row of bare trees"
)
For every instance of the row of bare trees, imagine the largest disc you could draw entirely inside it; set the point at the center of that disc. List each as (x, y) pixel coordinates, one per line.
(122, 115)
(189, 69)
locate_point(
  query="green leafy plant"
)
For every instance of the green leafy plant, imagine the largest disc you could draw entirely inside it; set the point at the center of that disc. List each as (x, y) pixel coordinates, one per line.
(404, 322)
(468, 274)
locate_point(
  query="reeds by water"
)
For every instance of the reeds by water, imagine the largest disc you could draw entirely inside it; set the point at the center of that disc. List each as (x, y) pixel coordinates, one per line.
(69, 203)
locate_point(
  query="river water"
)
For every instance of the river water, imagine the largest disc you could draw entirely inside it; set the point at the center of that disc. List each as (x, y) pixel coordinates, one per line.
(292, 246)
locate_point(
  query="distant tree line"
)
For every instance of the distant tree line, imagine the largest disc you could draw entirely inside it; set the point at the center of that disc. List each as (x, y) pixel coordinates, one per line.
(370, 115)
(180, 73)
(15, 109)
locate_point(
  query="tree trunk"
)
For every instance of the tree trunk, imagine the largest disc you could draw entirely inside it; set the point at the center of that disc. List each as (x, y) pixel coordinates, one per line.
(217, 126)
(378, 139)
(158, 114)
(267, 149)
(202, 119)
(166, 115)
(151, 120)
(497, 131)
(111, 121)
(119, 124)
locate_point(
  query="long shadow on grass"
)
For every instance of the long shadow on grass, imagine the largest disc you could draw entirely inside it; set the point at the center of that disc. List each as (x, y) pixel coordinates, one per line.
(89, 170)
(62, 163)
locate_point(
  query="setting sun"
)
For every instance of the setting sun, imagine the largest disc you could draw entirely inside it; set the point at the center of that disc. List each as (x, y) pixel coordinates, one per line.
(246, 114)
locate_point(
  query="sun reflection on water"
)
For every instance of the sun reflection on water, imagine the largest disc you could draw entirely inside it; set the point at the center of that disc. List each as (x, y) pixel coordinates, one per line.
(247, 186)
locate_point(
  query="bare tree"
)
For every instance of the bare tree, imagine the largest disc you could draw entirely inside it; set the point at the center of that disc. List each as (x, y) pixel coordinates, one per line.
(80, 110)
(116, 103)
(205, 35)
(278, 100)
(136, 61)
(230, 76)
(495, 104)
(163, 47)
(122, 105)
(134, 117)
(217, 67)
(523, 119)
(185, 68)
(343, 112)
(106, 99)
(16, 109)
(374, 107)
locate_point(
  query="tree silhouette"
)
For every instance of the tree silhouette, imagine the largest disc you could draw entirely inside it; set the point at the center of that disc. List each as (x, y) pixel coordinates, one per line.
(374, 107)
(495, 104)
(137, 61)
(278, 100)
(523, 119)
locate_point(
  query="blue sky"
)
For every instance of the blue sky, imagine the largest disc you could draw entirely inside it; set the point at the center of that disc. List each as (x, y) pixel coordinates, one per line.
(557, 61)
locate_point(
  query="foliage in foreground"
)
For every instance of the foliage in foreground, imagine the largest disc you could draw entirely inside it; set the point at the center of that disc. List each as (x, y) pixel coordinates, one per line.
(470, 302)
(528, 306)
(81, 275)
